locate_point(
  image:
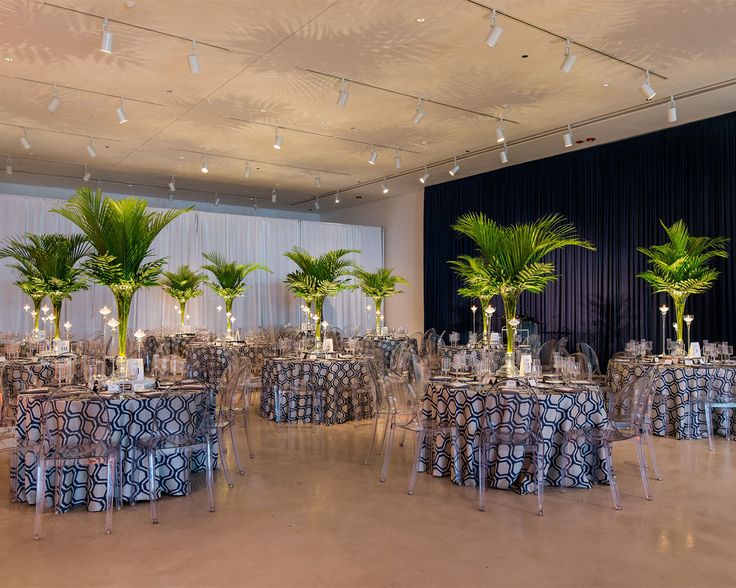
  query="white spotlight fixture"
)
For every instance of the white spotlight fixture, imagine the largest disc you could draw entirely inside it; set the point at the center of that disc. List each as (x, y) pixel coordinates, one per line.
(672, 110)
(569, 59)
(278, 140)
(646, 90)
(504, 155)
(496, 31)
(106, 41)
(337, 197)
(24, 140)
(567, 137)
(425, 177)
(9, 166)
(217, 200)
(500, 137)
(87, 175)
(248, 170)
(455, 168)
(419, 114)
(317, 181)
(384, 188)
(374, 156)
(55, 102)
(342, 98)
(205, 166)
(91, 150)
(172, 186)
(397, 160)
(194, 59)
(120, 112)
(273, 195)
(316, 202)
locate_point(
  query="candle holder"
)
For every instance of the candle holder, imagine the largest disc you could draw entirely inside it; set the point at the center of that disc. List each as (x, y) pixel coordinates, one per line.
(473, 309)
(664, 309)
(490, 309)
(139, 336)
(67, 329)
(113, 324)
(688, 321)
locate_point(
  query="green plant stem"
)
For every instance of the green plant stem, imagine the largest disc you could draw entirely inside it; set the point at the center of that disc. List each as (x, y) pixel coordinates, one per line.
(228, 312)
(680, 314)
(183, 309)
(37, 309)
(378, 302)
(56, 305)
(318, 304)
(509, 310)
(122, 301)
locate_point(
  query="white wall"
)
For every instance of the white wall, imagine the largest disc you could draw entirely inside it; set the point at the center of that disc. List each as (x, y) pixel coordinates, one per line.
(402, 219)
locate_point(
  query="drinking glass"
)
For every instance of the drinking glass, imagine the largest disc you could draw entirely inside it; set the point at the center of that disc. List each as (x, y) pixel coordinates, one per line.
(445, 365)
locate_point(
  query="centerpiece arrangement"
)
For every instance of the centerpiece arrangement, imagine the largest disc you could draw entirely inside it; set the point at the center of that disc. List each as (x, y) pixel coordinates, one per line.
(183, 285)
(480, 283)
(681, 268)
(378, 286)
(121, 233)
(229, 280)
(513, 260)
(320, 277)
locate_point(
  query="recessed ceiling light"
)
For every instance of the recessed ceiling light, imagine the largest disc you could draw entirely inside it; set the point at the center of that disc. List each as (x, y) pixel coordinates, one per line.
(263, 110)
(421, 19)
(8, 59)
(130, 4)
(181, 157)
(604, 85)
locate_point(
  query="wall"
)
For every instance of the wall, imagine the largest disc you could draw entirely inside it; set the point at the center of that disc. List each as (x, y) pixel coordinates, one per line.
(402, 219)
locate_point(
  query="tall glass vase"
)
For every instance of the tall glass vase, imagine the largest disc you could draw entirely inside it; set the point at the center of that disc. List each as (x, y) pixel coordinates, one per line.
(679, 299)
(508, 369)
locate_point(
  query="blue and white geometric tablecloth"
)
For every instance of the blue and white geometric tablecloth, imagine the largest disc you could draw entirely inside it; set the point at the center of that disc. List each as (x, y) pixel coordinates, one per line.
(130, 419)
(676, 387)
(509, 468)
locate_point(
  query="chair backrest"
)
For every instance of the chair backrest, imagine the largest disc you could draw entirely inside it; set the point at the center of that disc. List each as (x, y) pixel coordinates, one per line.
(376, 373)
(562, 344)
(184, 409)
(586, 369)
(546, 350)
(719, 384)
(73, 416)
(632, 405)
(234, 395)
(591, 355)
(512, 409)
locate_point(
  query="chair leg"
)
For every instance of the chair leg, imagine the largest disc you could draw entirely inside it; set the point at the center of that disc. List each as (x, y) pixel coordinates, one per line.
(481, 475)
(119, 485)
(540, 479)
(209, 476)
(420, 436)
(709, 426)
(13, 478)
(642, 467)
(652, 456)
(612, 482)
(247, 436)
(367, 459)
(58, 472)
(563, 471)
(389, 444)
(40, 495)
(234, 442)
(223, 459)
(403, 438)
(152, 484)
(110, 498)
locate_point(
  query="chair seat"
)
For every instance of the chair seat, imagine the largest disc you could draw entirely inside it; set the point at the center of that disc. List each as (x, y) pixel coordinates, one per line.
(177, 441)
(601, 434)
(494, 436)
(85, 450)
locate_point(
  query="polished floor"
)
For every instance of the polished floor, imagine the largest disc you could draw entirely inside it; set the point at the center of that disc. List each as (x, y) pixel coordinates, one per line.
(308, 513)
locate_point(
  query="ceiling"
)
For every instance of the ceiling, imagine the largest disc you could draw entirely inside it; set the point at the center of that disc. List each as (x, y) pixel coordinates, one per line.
(258, 62)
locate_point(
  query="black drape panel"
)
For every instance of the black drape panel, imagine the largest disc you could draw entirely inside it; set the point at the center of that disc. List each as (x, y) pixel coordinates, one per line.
(615, 195)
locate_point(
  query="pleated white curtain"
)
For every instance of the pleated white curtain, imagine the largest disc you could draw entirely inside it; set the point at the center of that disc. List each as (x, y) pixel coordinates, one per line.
(247, 239)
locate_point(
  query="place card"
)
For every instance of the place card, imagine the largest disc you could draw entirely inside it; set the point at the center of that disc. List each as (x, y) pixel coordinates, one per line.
(139, 387)
(113, 387)
(135, 369)
(327, 346)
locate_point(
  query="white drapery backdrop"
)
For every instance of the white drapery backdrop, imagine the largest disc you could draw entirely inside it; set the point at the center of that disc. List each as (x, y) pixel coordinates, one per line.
(246, 239)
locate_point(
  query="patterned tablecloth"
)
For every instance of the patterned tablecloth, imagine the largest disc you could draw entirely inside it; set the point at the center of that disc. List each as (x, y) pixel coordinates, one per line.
(509, 468)
(341, 381)
(130, 419)
(389, 344)
(208, 361)
(172, 344)
(675, 387)
(22, 374)
(497, 357)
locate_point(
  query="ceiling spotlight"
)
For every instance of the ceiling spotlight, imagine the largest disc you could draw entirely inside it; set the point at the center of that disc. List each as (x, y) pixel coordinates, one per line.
(106, 42)
(504, 155)
(316, 202)
(248, 170)
(273, 195)
(420, 114)
(217, 200)
(567, 137)
(90, 149)
(24, 140)
(55, 102)
(120, 112)
(205, 166)
(455, 168)
(172, 186)
(570, 57)
(374, 156)
(278, 140)
(496, 31)
(194, 59)
(9, 167)
(87, 175)
(500, 137)
(317, 181)
(384, 188)
(397, 160)
(672, 110)
(171, 196)
(342, 98)
(337, 197)
(425, 177)
(646, 90)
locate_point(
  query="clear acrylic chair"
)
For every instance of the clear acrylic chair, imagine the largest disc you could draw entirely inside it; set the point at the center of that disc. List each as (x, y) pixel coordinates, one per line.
(381, 408)
(75, 426)
(186, 433)
(718, 394)
(240, 397)
(545, 352)
(627, 420)
(297, 390)
(592, 356)
(406, 414)
(511, 418)
(9, 445)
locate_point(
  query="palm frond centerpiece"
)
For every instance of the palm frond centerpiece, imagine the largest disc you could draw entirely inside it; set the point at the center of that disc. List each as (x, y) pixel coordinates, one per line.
(183, 285)
(682, 267)
(26, 255)
(379, 285)
(229, 279)
(320, 277)
(122, 234)
(479, 282)
(514, 258)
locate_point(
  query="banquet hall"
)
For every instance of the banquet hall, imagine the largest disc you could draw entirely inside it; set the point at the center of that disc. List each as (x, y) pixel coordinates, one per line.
(367, 293)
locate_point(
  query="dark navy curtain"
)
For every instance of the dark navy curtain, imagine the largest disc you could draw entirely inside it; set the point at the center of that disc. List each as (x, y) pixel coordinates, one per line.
(615, 195)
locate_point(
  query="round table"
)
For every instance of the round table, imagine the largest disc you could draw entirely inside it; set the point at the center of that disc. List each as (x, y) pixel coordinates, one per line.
(130, 418)
(341, 381)
(388, 345)
(208, 361)
(464, 406)
(676, 387)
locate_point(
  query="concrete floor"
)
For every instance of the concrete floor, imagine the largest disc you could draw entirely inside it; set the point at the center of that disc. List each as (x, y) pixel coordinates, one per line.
(308, 513)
